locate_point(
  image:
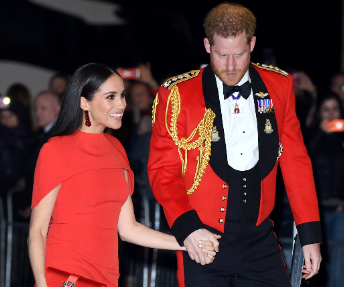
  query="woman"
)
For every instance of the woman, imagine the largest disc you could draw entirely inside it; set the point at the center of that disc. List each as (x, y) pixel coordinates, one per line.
(83, 186)
(326, 150)
(15, 138)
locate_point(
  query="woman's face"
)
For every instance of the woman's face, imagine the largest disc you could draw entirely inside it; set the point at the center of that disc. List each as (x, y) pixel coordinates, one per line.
(107, 106)
(9, 119)
(329, 110)
(141, 97)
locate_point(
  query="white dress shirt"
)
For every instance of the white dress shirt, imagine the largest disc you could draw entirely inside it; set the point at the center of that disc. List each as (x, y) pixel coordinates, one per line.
(48, 127)
(241, 135)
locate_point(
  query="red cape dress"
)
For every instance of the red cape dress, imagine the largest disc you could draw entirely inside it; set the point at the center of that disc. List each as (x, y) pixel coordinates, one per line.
(82, 237)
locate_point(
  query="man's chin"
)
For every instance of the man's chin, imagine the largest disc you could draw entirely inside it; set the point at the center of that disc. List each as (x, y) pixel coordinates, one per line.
(230, 81)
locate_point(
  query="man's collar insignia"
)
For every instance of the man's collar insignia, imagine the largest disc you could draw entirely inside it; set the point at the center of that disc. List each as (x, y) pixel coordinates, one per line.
(271, 68)
(171, 82)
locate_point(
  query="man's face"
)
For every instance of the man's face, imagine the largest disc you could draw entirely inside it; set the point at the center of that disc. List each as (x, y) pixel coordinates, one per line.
(337, 86)
(58, 85)
(230, 57)
(47, 109)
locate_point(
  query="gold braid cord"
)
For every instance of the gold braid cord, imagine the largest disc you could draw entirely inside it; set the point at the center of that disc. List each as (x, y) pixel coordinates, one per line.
(203, 143)
(155, 103)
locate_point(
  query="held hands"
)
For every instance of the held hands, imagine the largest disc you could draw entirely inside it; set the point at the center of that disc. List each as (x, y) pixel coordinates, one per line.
(208, 249)
(312, 255)
(202, 246)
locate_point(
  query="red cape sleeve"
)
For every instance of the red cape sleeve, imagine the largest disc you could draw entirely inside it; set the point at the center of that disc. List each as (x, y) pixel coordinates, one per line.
(48, 173)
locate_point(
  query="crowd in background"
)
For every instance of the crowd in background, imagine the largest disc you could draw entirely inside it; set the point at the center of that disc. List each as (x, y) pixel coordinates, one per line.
(24, 129)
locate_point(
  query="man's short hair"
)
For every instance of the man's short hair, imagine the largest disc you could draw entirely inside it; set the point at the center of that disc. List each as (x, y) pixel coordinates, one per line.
(229, 20)
(59, 75)
(55, 96)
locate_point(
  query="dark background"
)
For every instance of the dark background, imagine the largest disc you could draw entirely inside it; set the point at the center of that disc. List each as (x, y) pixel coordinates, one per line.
(304, 34)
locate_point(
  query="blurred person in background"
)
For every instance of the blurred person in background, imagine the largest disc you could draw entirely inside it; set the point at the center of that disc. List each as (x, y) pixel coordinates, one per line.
(146, 76)
(19, 92)
(306, 96)
(47, 108)
(58, 83)
(326, 150)
(337, 86)
(14, 140)
(141, 99)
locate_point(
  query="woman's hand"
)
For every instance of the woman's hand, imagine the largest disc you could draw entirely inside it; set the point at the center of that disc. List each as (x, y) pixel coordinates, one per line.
(208, 248)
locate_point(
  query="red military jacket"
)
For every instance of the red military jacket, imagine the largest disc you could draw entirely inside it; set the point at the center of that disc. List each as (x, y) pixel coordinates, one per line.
(188, 163)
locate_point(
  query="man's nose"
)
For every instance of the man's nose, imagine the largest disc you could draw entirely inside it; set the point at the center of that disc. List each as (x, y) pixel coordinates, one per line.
(230, 64)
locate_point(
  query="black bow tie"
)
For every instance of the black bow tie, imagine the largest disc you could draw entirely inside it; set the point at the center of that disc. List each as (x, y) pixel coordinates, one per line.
(245, 90)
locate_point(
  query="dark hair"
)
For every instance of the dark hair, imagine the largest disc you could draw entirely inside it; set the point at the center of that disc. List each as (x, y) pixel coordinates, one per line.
(58, 75)
(330, 96)
(19, 92)
(20, 110)
(84, 83)
(229, 20)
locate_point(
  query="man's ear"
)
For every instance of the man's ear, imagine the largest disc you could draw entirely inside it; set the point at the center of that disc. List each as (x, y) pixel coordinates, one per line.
(253, 43)
(83, 103)
(206, 45)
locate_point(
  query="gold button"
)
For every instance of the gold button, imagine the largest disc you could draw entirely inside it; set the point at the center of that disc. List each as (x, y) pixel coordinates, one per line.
(221, 220)
(223, 197)
(244, 193)
(222, 209)
(244, 179)
(244, 200)
(224, 186)
(244, 186)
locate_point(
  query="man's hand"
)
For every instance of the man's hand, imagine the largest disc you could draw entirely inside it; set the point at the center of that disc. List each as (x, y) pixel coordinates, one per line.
(312, 255)
(191, 244)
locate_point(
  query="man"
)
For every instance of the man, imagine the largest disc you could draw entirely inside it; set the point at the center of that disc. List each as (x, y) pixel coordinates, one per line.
(47, 108)
(58, 83)
(213, 160)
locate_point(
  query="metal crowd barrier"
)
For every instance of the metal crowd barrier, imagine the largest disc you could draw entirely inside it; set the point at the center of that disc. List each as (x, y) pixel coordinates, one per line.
(164, 263)
(2, 244)
(18, 270)
(151, 267)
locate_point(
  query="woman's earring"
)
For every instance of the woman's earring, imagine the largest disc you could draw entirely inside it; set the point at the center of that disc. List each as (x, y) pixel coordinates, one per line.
(87, 118)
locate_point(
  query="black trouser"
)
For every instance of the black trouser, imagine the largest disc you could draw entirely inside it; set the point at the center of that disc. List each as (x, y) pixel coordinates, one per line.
(249, 257)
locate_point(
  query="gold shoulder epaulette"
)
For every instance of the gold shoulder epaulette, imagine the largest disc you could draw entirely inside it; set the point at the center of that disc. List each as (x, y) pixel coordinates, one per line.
(171, 82)
(271, 68)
